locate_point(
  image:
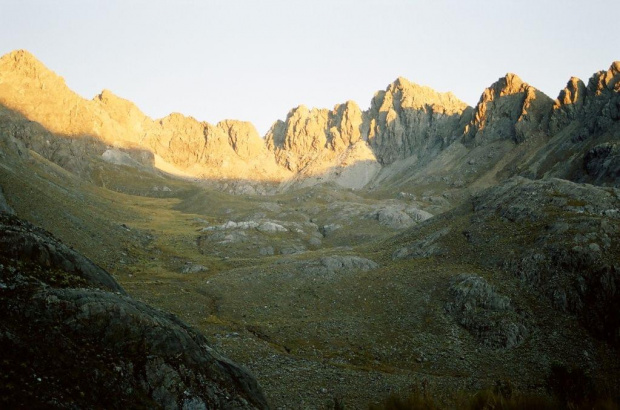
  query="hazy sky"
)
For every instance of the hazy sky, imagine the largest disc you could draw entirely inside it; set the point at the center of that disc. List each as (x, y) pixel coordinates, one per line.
(255, 60)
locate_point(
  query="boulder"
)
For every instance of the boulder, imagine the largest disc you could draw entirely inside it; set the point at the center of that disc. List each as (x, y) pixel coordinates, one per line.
(486, 314)
(339, 263)
(392, 217)
(271, 227)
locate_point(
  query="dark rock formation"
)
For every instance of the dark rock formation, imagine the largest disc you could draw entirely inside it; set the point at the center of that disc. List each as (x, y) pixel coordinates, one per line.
(22, 241)
(554, 237)
(4, 206)
(487, 315)
(602, 163)
(67, 344)
(562, 241)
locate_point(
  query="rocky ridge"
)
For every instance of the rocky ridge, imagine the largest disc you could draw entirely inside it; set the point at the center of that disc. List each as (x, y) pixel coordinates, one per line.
(583, 131)
(321, 291)
(347, 145)
(230, 149)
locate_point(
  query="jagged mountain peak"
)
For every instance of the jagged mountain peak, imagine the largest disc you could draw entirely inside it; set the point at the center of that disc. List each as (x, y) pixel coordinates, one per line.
(302, 111)
(120, 109)
(609, 79)
(510, 109)
(407, 94)
(573, 93)
(507, 85)
(24, 62)
(347, 105)
(594, 106)
(177, 117)
(20, 67)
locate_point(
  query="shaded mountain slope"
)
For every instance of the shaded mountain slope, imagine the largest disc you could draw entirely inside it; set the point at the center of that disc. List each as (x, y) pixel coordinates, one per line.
(554, 236)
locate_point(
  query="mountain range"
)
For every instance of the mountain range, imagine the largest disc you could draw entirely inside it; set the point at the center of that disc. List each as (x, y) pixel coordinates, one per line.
(346, 254)
(406, 123)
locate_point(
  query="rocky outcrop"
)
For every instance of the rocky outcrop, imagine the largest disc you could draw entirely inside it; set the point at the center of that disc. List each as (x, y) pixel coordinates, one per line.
(569, 104)
(487, 315)
(424, 247)
(509, 110)
(21, 241)
(333, 267)
(602, 163)
(553, 237)
(316, 137)
(299, 139)
(72, 339)
(584, 129)
(404, 120)
(563, 244)
(335, 264)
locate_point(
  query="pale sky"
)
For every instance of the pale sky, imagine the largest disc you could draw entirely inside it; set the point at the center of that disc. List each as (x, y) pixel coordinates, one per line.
(255, 60)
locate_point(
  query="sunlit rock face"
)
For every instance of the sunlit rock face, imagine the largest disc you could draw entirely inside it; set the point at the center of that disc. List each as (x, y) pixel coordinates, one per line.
(510, 109)
(346, 144)
(404, 120)
(408, 119)
(320, 145)
(230, 149)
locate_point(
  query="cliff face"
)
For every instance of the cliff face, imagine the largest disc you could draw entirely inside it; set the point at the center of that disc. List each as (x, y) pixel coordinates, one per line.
(300, 138)
(509, 110)
(404, 120)
(584, 130)
(407, 119)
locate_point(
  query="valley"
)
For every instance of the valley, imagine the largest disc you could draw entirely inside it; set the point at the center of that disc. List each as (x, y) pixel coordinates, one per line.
(446, 250)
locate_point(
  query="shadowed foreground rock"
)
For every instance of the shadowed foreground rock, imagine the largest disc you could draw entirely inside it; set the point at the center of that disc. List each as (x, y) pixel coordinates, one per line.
(67, 344)
(4, 206)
